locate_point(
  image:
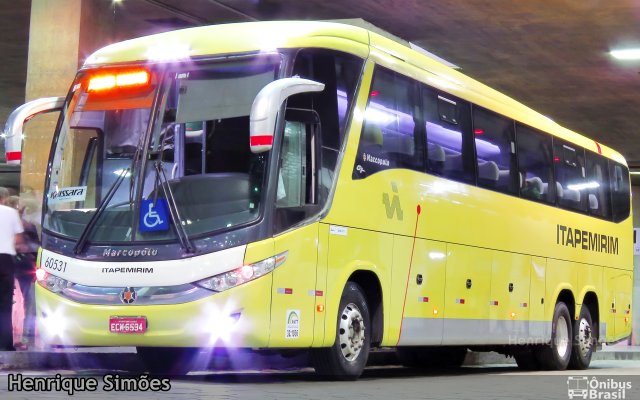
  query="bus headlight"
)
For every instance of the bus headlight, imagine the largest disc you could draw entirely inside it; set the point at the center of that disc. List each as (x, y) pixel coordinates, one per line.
(241, 275)
(54, 283)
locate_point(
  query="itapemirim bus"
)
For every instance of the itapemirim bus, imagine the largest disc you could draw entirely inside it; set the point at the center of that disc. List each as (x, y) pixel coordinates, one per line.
(321, 186)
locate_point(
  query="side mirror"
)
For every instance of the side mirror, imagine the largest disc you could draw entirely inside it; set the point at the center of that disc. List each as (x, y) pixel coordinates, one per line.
(13, 128)
(265, 107)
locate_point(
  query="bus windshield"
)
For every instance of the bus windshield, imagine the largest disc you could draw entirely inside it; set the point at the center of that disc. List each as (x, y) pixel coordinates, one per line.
(138, 175)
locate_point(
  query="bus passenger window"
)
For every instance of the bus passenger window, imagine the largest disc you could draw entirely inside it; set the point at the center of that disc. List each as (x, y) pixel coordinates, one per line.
(568, 161)
(449, 144)
(495, 150)
(536, 166)
(390, 137)
(598, 191)
(620, 197)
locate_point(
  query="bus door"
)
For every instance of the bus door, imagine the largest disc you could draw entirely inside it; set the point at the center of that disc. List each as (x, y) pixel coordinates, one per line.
(294, 282)
(618, 303)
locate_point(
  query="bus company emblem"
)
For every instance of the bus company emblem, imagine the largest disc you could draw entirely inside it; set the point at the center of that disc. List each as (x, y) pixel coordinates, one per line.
(392, 206)
(128, 295)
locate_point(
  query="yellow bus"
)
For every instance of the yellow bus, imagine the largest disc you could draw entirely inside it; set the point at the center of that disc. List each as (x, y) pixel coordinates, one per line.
(323, 187)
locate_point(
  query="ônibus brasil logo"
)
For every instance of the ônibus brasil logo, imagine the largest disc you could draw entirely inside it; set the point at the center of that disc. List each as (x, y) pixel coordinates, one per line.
(583, 387)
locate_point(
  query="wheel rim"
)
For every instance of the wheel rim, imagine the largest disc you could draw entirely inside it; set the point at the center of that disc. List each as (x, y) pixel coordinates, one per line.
(562, 337)
(584, 338)
(351, 332)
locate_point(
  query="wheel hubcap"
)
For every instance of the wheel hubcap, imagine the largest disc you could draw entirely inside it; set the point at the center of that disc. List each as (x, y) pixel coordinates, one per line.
(351, 332)
(585, 338)
(562, 337)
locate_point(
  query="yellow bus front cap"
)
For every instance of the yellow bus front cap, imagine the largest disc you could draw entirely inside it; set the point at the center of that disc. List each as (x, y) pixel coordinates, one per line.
(233, 318)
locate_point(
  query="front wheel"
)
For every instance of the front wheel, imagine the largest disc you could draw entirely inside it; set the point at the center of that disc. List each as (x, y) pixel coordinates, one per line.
(346, 359)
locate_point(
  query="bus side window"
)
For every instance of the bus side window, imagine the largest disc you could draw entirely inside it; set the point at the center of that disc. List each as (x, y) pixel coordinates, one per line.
(620, 196)
(535, 157)
(340, 73)
(449, 144)
(495, 150)
(598, 190)
(391, 136)
(568, 161)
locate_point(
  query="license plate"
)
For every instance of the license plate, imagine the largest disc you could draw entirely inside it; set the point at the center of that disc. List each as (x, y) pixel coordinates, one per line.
(127, 324)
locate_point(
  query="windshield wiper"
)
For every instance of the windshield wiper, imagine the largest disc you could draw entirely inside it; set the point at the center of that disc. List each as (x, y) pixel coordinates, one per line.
(173, 207)
(103, 206)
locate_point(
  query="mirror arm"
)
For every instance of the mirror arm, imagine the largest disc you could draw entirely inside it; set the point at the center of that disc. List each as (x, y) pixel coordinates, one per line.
(15, 124)
(266, 105)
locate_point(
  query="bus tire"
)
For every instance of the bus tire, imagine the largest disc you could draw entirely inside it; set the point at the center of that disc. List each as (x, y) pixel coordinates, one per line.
(167, 360)
(583, 340)
(525, 357)
(555, 356)
(346, 359)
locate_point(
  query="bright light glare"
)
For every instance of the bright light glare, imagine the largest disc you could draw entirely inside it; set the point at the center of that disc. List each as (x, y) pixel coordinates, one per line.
(120, 171)
(124, 79)
(378, 117)
(436, 255)
(626, 54)
(102, 82)
(54, 324)
(582, 186)
(168, 52)
(134, 78)
(41, 274)
(219, 324)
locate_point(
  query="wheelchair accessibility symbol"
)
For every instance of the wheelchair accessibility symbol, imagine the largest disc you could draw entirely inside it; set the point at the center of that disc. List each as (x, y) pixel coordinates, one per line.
(153, 216)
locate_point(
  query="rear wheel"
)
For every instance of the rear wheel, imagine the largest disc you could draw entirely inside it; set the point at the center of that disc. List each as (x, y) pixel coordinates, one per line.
(556, 355)
(526, 357)
(167, 360)
(346, 359)
(583, 340)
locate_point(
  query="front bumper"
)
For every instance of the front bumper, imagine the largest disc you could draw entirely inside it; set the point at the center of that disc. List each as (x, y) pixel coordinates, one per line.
(238, 317)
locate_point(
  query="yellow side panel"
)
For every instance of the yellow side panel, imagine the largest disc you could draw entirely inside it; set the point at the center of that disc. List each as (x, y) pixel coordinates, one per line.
(321, 285)
(560, 275)
(510, 286)
(537, 291)
(468, 264)
(258, 251)
(294, 287)
(624, 286)
(353, 249)
(589, 280)
(425, 289)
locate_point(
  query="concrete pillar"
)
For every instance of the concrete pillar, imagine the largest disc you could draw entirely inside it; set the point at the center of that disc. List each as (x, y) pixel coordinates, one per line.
(62, 34)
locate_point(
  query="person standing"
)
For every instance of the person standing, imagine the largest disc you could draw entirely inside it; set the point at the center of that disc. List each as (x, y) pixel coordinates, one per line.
(25, 272)
(10, 238)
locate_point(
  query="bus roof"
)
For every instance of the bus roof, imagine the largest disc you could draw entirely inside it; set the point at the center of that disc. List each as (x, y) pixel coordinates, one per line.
(268, 36)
